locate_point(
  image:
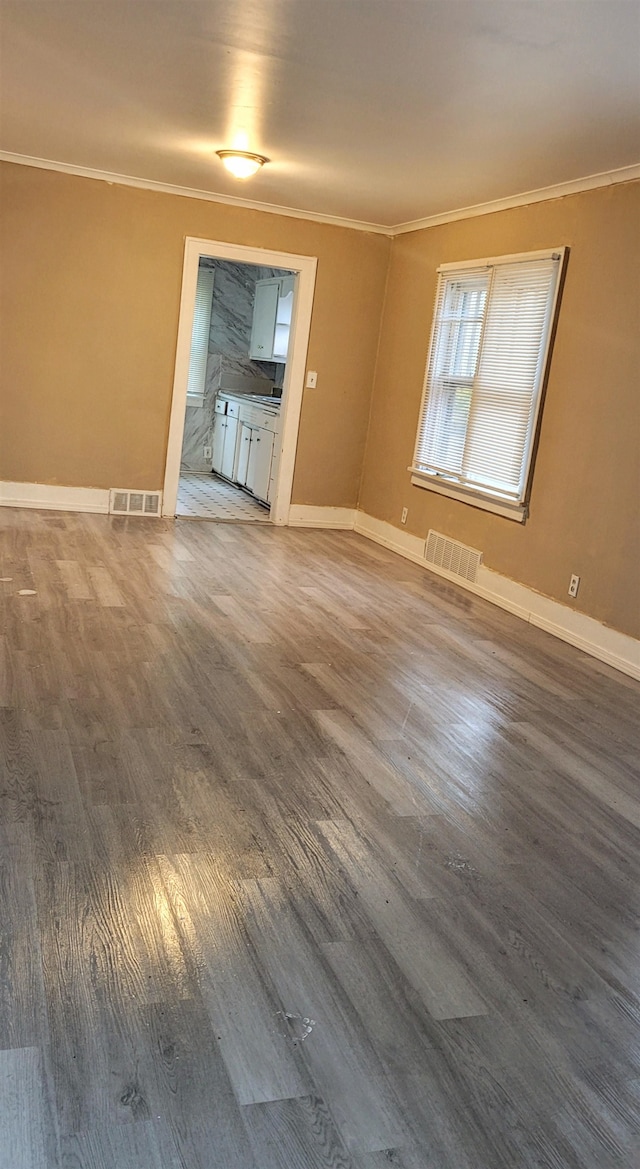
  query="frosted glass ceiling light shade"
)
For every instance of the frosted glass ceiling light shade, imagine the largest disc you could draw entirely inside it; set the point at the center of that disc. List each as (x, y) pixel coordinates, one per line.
(241, 163)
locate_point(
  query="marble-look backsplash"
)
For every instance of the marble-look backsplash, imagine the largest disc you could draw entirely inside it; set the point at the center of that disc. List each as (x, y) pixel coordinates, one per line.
(229, 339)
(197, 435)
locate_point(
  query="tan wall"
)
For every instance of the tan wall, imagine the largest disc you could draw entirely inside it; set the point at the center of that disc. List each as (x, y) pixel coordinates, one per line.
(584, 504)
(91, 277)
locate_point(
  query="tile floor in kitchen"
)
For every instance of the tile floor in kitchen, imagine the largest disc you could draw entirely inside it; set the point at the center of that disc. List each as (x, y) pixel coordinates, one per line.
(206, 497)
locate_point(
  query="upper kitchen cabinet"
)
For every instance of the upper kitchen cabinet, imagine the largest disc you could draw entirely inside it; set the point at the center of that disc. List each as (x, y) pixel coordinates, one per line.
(272, 318)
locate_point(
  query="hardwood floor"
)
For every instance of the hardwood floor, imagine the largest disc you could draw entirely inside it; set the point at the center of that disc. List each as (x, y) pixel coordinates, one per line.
(308, 860)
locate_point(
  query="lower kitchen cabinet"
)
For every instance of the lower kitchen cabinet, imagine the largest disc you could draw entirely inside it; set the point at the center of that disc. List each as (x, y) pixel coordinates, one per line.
(242, 466)
(219, 431)
(244, 439)
(259, 469)
(255, 452)
(229, 451)
(225, 437)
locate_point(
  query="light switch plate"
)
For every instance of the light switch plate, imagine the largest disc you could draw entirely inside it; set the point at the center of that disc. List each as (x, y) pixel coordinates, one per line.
(312, 379)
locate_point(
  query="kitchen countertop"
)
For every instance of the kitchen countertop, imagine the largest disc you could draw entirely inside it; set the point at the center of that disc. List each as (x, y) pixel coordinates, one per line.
(265, 400)
(259, 399)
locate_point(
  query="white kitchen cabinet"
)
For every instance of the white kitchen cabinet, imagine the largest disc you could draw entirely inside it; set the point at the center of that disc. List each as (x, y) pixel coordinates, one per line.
(244, 444)
(271, 491)
(219, 431)
(265, 311)
(272, 311)
(229, 451)
(259, 468)
(225, 437)
(255, 453)
(283, 319)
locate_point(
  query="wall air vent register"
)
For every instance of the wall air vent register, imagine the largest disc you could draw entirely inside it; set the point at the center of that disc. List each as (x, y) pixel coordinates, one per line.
(452, 557)
(141, 503)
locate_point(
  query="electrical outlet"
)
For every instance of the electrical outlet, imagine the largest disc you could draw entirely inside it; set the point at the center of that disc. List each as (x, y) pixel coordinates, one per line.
(405, 513)
(207, 452)
(574, 585)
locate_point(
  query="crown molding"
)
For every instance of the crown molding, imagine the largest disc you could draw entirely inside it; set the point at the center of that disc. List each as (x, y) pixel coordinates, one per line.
(85, 172)
(624, 174)
(607, 178)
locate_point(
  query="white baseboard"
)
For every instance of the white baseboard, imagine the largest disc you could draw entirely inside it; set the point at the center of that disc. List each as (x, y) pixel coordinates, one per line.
(591, 636)
(411, 547)
(301, 516)
(53, 498)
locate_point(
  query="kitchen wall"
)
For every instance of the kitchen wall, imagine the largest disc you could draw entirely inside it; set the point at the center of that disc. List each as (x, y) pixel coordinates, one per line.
(92, 274)
(229, 340)
(197, 435)
(584, 504)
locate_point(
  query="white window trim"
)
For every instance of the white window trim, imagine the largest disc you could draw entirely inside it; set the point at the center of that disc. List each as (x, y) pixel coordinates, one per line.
(438, 483)
(517, 511)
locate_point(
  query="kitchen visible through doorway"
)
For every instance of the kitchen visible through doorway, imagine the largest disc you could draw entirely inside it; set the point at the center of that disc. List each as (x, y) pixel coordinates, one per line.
(239, 349)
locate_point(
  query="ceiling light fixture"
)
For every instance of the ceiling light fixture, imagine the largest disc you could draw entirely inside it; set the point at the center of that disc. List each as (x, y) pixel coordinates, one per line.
(241, 163)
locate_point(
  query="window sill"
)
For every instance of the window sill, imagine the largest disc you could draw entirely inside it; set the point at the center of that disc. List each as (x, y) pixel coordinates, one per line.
(510, 511)
(195, 399)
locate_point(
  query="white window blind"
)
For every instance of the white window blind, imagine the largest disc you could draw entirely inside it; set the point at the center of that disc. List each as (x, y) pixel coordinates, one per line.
(485, 374)
(200, 333)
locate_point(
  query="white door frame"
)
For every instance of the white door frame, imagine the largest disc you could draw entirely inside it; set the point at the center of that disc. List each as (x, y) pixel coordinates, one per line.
(305, 267)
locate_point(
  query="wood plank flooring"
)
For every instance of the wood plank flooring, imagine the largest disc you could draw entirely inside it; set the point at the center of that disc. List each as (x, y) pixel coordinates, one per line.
(308, 860)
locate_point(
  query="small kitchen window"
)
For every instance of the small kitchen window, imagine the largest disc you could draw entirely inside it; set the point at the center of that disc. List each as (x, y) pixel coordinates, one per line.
(486, 371)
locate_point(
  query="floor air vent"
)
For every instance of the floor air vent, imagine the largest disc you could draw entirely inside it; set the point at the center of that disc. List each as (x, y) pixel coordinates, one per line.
(451, 556)
(134, 502)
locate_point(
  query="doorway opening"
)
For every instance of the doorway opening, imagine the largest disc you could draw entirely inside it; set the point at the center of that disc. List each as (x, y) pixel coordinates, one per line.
(243, 333)
(239, 347)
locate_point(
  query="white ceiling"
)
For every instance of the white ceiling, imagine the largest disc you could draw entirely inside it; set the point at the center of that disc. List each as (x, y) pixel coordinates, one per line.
(382, 111)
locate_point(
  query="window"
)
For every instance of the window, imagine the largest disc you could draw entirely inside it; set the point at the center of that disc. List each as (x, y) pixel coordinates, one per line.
(485, 376)
(200, 336)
